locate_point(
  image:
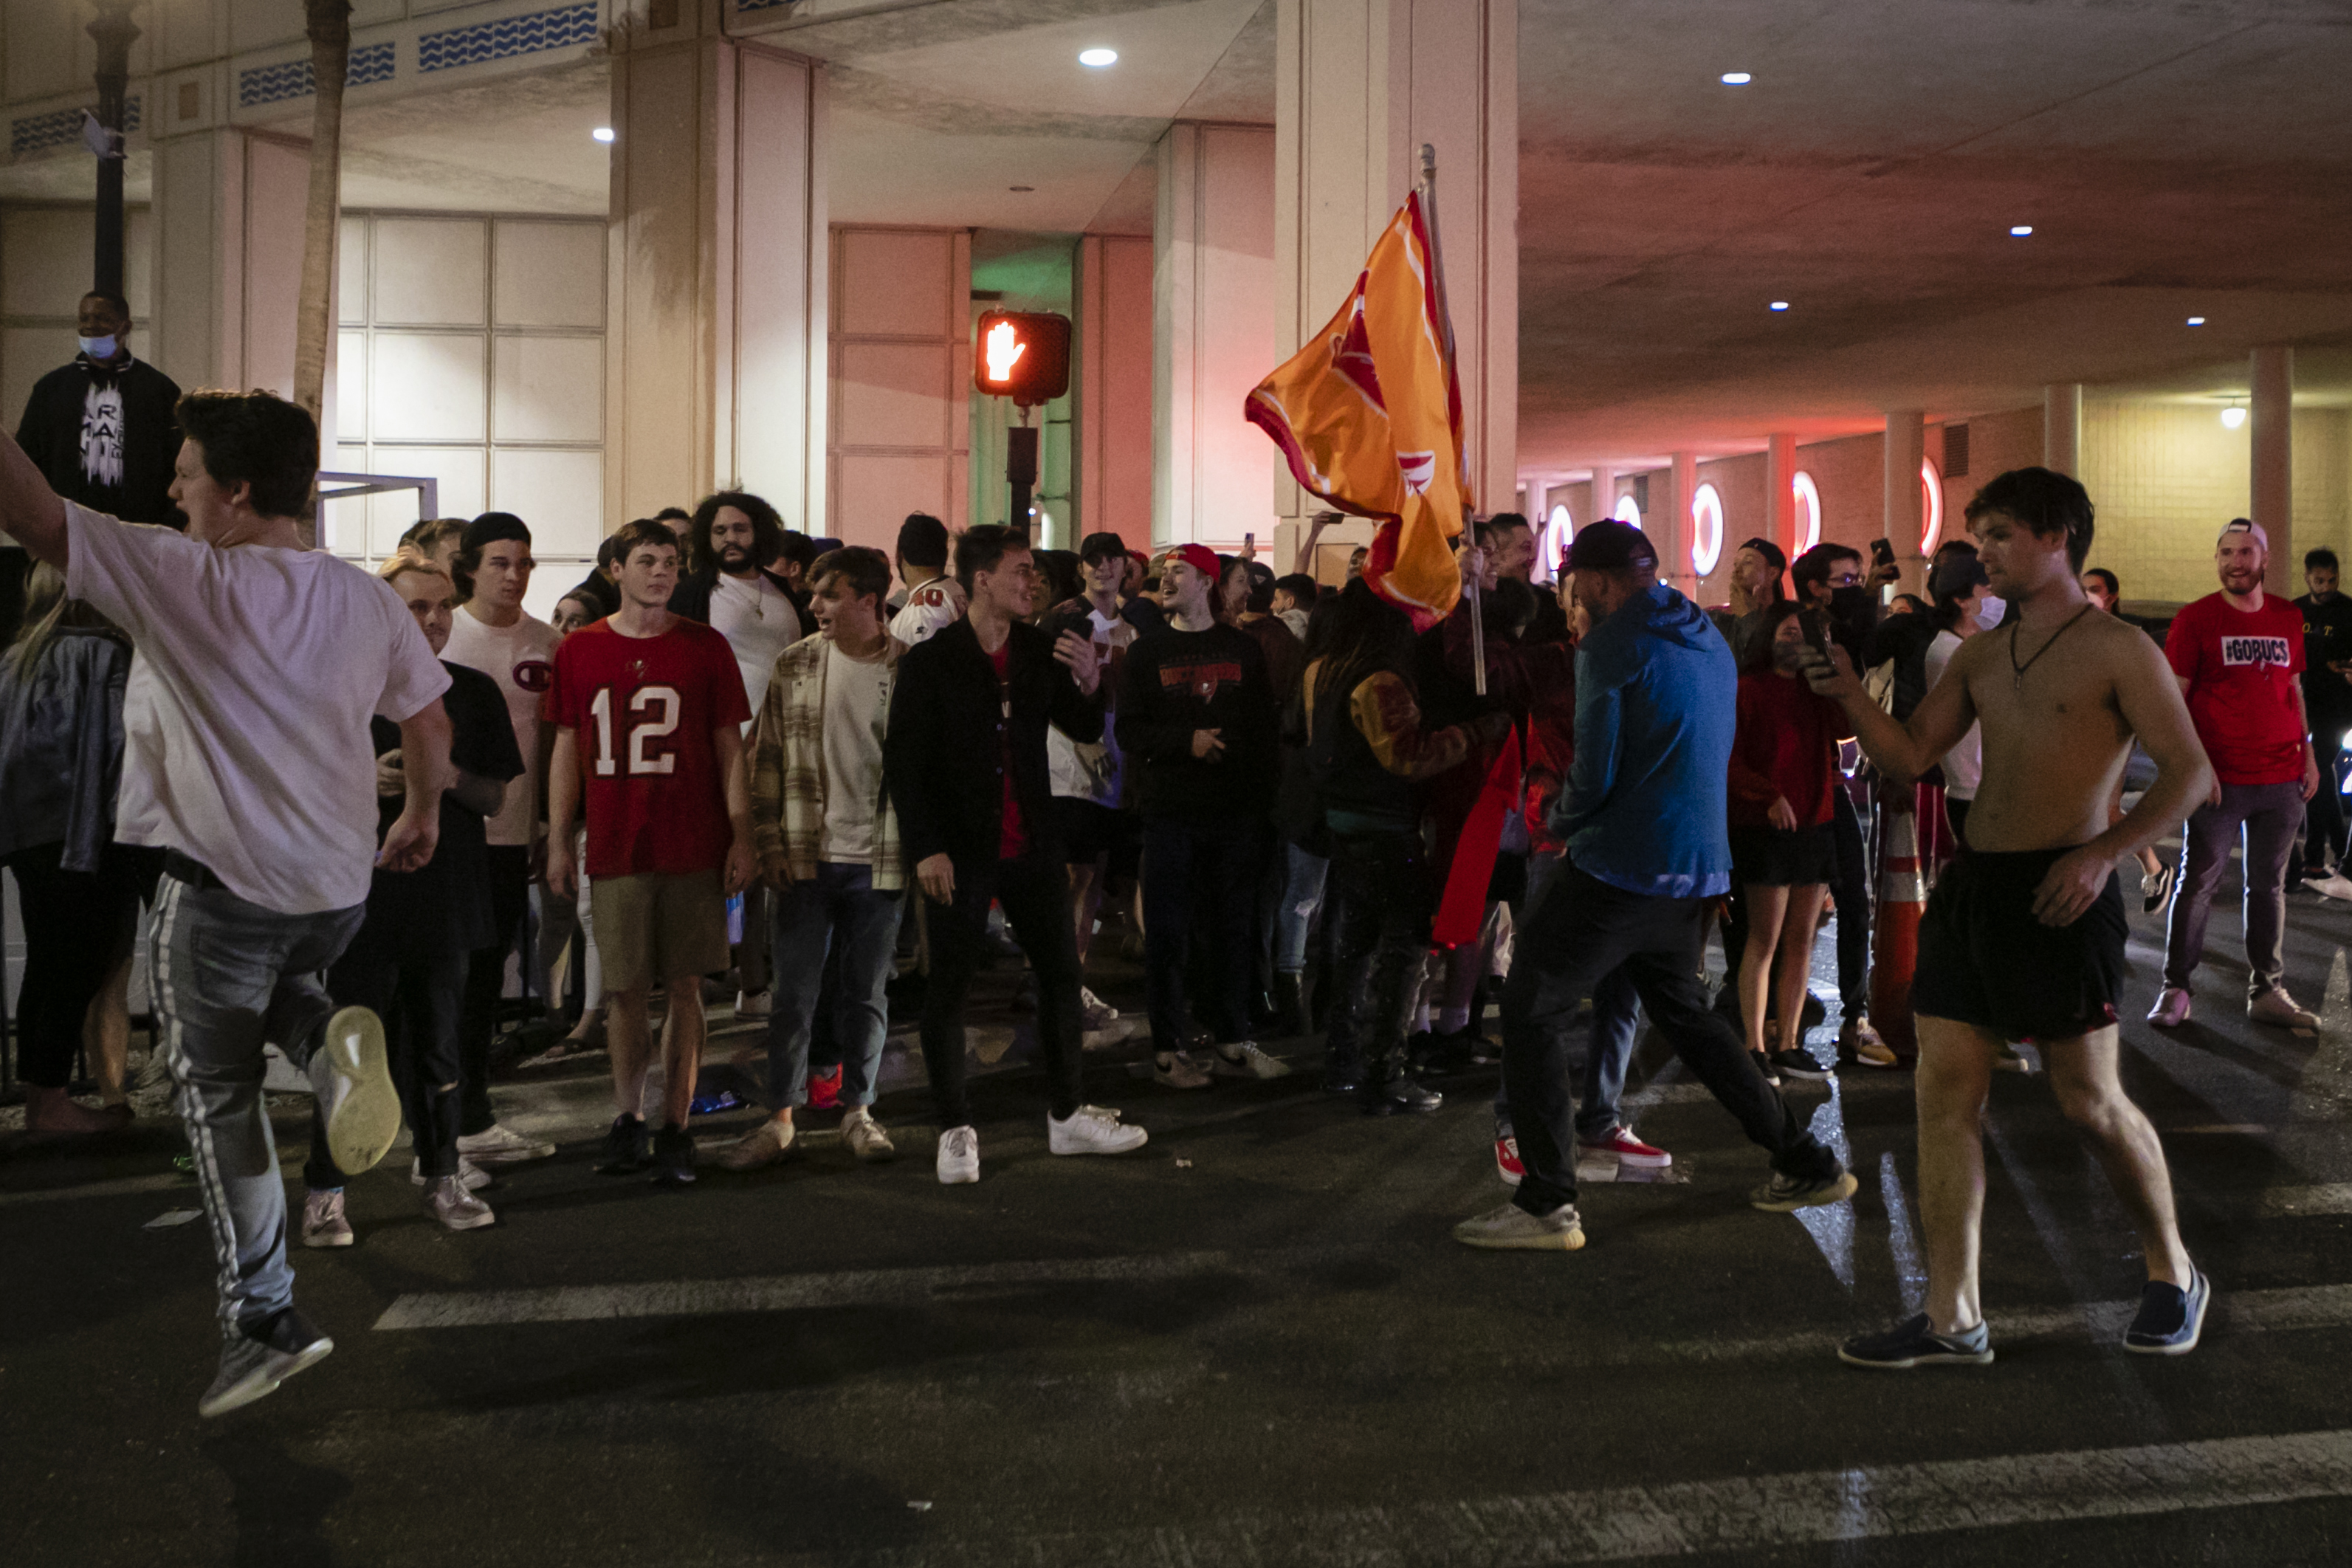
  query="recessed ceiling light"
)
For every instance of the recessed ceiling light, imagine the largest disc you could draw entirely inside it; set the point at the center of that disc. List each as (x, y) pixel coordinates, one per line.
(2232, 417)
(1737, 79)
(1098, 57)
(1023, 190)
(2196, 320)
(2020, 230)
(603, 133)
(1780, 304)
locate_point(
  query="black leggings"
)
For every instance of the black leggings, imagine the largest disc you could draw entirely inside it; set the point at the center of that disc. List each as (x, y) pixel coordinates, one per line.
(77, 926)
(417, 1000)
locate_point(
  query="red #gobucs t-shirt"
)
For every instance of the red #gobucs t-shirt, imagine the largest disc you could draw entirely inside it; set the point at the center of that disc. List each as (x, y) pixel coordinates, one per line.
(2243, 668)
(644, 709)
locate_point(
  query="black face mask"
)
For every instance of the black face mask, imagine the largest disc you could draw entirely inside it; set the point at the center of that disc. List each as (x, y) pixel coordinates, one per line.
(1855, 609)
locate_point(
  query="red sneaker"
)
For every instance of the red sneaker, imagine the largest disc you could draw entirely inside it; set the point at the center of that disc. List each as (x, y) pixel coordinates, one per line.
(824, 1088)
(1507, 1160)
(1629, 1150)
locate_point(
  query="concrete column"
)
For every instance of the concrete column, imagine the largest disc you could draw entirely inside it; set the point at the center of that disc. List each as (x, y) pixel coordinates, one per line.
(1670, 521)
(227, 279)
(715, 347)
(1780, 492)
(1604, 494)
(1212, 338)
(2062, 427)
(1360, 86)
(2272, 488)
(1906, 448)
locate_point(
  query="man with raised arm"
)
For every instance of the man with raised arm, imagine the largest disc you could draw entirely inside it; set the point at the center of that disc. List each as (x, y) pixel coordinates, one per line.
(2023, 938)
(247, 760)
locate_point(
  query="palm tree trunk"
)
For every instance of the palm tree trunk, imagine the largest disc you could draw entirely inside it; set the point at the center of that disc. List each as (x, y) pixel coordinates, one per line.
(330, 25)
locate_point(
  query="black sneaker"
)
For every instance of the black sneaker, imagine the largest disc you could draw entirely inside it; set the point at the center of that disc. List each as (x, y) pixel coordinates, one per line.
(1787, 1194)
(2170, 1321)
(673, 1158)
(262, 1356)
(1800, 1064)
(1914, 1344)
(1399, 1096)
(624, 1154)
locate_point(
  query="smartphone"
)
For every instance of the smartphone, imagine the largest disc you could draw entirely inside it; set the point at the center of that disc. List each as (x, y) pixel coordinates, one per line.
(1816, 631)
(1881, 552)
(1249, 543)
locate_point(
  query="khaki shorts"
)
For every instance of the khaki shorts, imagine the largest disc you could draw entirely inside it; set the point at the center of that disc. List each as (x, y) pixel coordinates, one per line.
(653, 927)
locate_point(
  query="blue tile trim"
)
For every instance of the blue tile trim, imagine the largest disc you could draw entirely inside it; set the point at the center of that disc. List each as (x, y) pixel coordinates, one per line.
(293, 79)
(37, 133)
(528, 34)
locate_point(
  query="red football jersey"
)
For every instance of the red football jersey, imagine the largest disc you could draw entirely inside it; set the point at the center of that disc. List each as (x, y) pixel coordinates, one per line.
(644, 709)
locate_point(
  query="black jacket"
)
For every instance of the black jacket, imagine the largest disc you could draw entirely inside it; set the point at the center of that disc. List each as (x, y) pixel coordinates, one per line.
(942, 757)
(50, 434)
(1176, 682)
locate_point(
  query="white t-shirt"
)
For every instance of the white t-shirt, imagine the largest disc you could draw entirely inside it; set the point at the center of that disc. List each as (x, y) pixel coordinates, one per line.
(758, 622)
(855, 712)
(1093, 771)
(245, 722)
(936, 605)
(1964, 763)
(521, 659)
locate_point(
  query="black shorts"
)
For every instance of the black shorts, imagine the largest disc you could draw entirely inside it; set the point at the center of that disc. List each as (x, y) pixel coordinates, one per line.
(1768, 858)
(1090, 831)
(1984, 959)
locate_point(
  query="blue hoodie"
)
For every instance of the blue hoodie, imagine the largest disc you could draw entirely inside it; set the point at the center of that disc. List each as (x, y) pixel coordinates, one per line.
(1656, 702)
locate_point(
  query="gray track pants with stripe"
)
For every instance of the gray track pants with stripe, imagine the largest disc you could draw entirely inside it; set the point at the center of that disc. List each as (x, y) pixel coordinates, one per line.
(227, 975)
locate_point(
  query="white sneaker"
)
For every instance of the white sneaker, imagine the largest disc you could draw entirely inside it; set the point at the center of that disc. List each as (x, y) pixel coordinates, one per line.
(763, 1145)
(2171, 1009)
(1092, 1130)
(753, 1004)
(454, 1204)
(355, 1093)
(958, 1159)
(473, 1175)
(1094, 1012)
(1511, 1228)
(865, 1137)
(2275, 1006)
(2334, 885)
(498, 1145)
(323, 1222)
(1245, 1061)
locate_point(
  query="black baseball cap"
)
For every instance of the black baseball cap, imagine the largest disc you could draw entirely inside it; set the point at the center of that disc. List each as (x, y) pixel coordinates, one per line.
(1101, 546)
(493, 526)
(1609, 545)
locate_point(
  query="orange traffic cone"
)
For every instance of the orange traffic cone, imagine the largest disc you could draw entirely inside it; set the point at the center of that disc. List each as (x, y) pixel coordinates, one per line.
(1894, 927)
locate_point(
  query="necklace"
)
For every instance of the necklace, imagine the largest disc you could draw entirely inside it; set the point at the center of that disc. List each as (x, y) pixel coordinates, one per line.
(2019, 669)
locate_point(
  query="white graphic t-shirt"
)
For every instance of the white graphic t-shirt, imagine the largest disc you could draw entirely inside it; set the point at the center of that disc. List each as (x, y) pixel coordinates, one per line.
(521, 659)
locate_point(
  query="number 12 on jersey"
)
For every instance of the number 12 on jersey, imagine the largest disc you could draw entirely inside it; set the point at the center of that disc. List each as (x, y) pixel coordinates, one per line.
(641, 730)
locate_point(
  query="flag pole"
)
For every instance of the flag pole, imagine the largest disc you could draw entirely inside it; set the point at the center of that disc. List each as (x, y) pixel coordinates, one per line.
(1445, 314)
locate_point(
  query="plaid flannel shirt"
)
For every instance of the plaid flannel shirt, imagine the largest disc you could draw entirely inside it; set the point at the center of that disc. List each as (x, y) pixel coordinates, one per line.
(788, 781)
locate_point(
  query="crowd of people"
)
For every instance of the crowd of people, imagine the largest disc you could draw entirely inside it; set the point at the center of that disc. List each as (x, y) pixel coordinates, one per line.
(823, 777)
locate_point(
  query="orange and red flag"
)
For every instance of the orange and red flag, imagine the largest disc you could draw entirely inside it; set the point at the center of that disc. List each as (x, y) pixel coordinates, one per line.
(1368, 415)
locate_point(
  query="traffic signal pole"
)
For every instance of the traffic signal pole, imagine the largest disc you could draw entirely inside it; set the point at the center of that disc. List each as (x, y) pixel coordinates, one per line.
(1021, 470)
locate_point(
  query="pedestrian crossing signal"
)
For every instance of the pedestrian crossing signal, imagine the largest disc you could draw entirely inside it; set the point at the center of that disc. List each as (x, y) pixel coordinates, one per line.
(1022, 355)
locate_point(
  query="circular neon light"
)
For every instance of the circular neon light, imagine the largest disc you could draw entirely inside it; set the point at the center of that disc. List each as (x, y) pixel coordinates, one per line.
(1558, 530)
(1707, 529)
(1931, 485)
(1627, 511)
(1809, 512)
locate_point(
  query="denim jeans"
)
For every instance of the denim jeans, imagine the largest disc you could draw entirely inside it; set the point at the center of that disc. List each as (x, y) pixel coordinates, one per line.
(1195, 873)
(1381, 897)
(2268, 815)
(1608, 1046)
(1035, 892)
(1576, 933)
(228, 975)
(1849, 886)
(419, 999)
(1302, 894)
(836, 917)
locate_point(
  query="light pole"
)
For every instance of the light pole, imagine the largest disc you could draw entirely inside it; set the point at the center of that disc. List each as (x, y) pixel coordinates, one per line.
(114, 33)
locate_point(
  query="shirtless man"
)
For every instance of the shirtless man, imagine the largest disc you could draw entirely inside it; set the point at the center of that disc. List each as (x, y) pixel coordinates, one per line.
(2023, 938)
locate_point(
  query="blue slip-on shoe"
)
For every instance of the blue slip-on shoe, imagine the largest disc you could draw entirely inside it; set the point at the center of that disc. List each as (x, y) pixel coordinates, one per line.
(2169, 1320)
(1917, 1343)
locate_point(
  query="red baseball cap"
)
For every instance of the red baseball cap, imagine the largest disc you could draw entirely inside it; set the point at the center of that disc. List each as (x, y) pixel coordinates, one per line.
(1198, 557)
